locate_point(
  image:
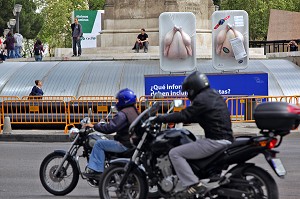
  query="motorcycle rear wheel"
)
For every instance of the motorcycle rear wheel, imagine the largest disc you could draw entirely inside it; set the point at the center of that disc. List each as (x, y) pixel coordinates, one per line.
(263, 186)
(135, 186)
(66, 179)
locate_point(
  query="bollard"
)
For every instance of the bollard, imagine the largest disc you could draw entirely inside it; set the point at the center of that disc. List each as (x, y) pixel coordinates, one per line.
(7, 126)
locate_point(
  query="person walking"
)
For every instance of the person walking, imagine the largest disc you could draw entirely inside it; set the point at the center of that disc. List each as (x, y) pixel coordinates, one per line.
(38, 49)
(76, 37)
(10, 46)
(18, 44)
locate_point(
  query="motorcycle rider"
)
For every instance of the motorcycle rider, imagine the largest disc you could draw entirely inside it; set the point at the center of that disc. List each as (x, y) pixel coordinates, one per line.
(210, 111)
(120, 123)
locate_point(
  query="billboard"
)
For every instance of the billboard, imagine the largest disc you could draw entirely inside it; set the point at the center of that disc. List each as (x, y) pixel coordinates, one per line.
(230, 40)
(177, 41)
(90, 21)
(225, 84)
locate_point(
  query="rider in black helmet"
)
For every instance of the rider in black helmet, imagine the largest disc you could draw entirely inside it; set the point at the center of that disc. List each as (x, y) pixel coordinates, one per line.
(210, 111)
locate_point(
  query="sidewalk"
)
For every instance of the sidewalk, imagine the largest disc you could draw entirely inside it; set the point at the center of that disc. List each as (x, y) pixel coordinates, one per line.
(239, 129)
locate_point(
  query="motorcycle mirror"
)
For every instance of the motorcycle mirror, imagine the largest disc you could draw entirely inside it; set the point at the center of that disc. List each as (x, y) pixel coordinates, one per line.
(178, 103)
(113, 109)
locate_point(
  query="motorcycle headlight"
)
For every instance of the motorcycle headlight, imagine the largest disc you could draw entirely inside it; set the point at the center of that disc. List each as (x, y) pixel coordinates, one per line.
(73, 133)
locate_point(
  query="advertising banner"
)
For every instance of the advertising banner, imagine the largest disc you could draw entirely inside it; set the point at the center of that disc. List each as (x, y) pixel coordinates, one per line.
(177, 41)
(90, 21)
(225, 84)
(230, 40)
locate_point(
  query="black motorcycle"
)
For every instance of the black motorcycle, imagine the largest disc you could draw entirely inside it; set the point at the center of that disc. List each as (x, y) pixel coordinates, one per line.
(60, 170)
(226, 173)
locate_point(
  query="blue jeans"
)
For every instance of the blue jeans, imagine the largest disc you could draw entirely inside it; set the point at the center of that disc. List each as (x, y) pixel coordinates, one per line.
(18, 51)
(97, 158)
(38, 57)
(11, 54)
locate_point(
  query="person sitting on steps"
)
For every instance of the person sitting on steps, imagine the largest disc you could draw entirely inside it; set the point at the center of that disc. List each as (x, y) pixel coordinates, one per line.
(141, 42)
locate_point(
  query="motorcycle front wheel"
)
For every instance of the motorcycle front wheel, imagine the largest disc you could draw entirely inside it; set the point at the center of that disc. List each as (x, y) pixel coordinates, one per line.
(135, 186)
(65, 180)
(260, 184)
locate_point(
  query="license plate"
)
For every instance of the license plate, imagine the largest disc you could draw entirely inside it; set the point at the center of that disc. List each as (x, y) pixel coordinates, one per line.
(278, 167)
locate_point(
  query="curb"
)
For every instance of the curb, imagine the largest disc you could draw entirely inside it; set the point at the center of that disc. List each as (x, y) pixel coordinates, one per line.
(34, 138)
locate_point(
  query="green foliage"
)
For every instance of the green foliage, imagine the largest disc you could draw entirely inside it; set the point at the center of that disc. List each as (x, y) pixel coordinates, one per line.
(96, 4)
(57, 27)
(259, 11)
(30, 22)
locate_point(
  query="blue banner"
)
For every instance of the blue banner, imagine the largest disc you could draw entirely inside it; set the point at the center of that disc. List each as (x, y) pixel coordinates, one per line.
(225, 84)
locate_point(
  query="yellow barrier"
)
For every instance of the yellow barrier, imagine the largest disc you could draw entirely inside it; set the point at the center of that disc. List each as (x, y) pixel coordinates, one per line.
(241, 108)
(79, 109)
(63, 98)
(145, 102)
(35, 112)
(55, 110)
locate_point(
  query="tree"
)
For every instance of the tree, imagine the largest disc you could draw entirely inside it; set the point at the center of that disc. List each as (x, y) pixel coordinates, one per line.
(259, 12)
(96, 4)
(30, 21)
(56, 31)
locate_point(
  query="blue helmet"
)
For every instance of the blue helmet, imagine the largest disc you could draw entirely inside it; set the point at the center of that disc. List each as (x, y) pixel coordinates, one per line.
(126, 97)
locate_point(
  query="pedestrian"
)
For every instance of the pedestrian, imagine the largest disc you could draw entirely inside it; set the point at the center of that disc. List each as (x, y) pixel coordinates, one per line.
(18, 44)
(210, 111)
(293, 45)
(10, 45)
(38, 50)
(120, 123)
(2, 50)
(76, 37)
(37, 89)
(141, 42)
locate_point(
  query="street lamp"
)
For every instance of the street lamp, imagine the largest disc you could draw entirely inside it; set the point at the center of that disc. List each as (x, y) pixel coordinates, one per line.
(11, 24)
(16, 11)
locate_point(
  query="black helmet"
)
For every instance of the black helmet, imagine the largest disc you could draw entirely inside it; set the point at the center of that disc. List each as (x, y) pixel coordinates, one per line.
(194, 84)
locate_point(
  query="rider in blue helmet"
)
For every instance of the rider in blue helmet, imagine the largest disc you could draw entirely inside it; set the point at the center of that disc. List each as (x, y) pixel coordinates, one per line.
(125, 97)
(120, 123)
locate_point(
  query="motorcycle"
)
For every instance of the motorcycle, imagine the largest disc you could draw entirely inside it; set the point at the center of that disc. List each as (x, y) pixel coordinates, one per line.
(60, 170)
(226, 173)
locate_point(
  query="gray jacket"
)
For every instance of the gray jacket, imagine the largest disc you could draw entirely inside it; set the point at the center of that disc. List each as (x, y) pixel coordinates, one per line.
(76, 30)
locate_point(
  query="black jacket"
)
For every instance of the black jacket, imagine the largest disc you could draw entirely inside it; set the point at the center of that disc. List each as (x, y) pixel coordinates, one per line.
(120, 124)
(210, 111)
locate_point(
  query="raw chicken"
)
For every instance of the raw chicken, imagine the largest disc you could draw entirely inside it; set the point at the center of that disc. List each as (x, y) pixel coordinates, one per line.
(177, 44)
(223, 47)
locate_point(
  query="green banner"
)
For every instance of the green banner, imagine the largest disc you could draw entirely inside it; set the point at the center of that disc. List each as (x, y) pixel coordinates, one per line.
(87, 19)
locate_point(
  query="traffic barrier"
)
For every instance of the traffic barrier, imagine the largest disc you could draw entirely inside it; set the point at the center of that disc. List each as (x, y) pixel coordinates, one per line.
(35, 111)
(165, 103)
(55, 110)
(79, 109)
(63, 98)
(242, 108)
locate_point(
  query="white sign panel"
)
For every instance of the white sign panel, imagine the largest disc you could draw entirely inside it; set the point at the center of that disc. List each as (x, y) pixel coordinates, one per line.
(230, 40)
(177, 39)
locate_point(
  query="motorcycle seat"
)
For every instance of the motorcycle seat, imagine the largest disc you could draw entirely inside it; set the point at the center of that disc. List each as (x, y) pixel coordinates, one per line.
(239, 141)
(202, 163)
